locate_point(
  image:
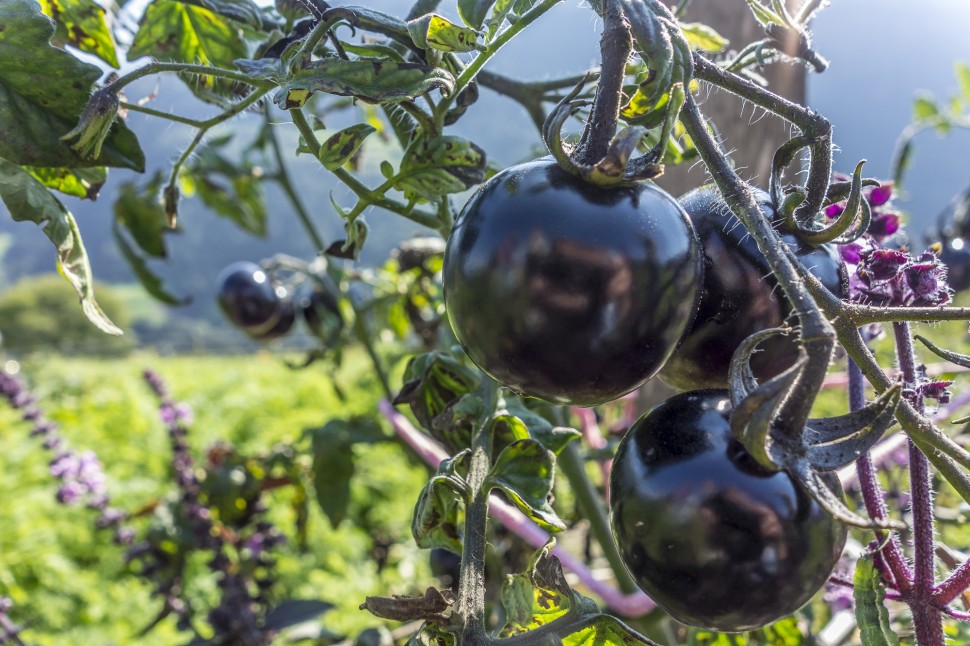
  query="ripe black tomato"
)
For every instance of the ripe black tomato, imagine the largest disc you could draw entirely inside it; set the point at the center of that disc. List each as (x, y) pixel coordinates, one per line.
(714, 538)
(740, 295)
(321, 312)
(252, 302)
(568, 291)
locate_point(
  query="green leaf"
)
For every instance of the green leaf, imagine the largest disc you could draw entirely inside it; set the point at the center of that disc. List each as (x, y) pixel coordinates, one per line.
(473, 12)
(870, 612)
(437, 32)
(432, 634)
(438, 166)
(604, 630)
(81, 24)
(152, 283)
(29, 201)
(138, 210)
(525, 471)
(704, 38)
(43, 93)
(84, 183)
(171, 30)
(368, 80)
(339, 148)
(232, 190)
(434, 383)
(245, 12)
(438, 514)
(540, 595)
(925, 108)
(701, 637)
(260, 69)
(962, 71)
(554, 438)
(764, 15)
(333, 461)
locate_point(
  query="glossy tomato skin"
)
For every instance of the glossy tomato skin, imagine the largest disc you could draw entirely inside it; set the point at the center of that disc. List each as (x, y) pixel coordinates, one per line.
(567, 291)
(740, 295)
(252, 302)
(715, 539)
(321, 312)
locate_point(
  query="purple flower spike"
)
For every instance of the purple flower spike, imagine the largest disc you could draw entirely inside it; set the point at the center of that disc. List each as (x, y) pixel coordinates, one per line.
(937, 390)
(884, 264)
(851, 253)
(928, 282)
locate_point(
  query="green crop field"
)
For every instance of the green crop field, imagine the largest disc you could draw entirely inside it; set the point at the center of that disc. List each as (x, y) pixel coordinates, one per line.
(71, 584)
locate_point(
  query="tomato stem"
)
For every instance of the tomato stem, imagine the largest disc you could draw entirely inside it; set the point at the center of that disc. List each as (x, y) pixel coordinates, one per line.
(616, 43)
(872, 494)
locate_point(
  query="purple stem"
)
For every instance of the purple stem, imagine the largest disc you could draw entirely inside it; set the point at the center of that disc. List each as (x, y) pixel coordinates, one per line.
(872, 493)
(927, 620)
(628, 605)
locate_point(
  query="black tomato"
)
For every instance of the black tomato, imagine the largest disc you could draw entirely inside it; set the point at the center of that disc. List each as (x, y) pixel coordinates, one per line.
(251, 301)
(740, 296)
(956, 256)
(321, 312)
(715, 539)
(568, 291)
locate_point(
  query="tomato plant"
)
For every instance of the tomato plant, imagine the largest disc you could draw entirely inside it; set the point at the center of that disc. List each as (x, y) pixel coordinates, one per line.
(568, 291)
(713, 537)
(568, 280)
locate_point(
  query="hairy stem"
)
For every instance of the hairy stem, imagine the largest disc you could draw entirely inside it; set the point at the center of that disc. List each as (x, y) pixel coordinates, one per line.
(872, 494)
(616, 43)
(927, 620)
(283, 179)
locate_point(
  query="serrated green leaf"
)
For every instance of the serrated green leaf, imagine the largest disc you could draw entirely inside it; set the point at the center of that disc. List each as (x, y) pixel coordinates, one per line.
(232, 190)
(84, 183)
(245, 12)
(437, 32)
(171, 30)
(367, 80)
(525, 471)
(540, 595)
(439, 513)
(433, 382)
(473, 12)
(763, 14)
(138, 210)
(262, 69)
(29, 201)
(333, 461)
(704, 38)
(81, 24)
(519, 422)
(870, 611)
(604, 630)
(442, 165)
(43, 90)
(152, 283)
(962, 71)
(339, 148)
(924, 108)
(432, 635)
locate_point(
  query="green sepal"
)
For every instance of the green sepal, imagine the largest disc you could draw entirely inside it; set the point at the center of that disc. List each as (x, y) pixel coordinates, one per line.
(870, 611)
(525, 472)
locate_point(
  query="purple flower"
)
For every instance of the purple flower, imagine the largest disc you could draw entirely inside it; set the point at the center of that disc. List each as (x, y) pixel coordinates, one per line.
(834, 210)
(851, 253)
(937, 390)
(838, 597)
(881, 194)
(65, 465)
(70, 492)
(884, 225)
(882, 265)
(927, 280)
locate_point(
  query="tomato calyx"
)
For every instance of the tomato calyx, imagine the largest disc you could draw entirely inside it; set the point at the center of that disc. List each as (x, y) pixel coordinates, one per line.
(604, 156)
(822, 445)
